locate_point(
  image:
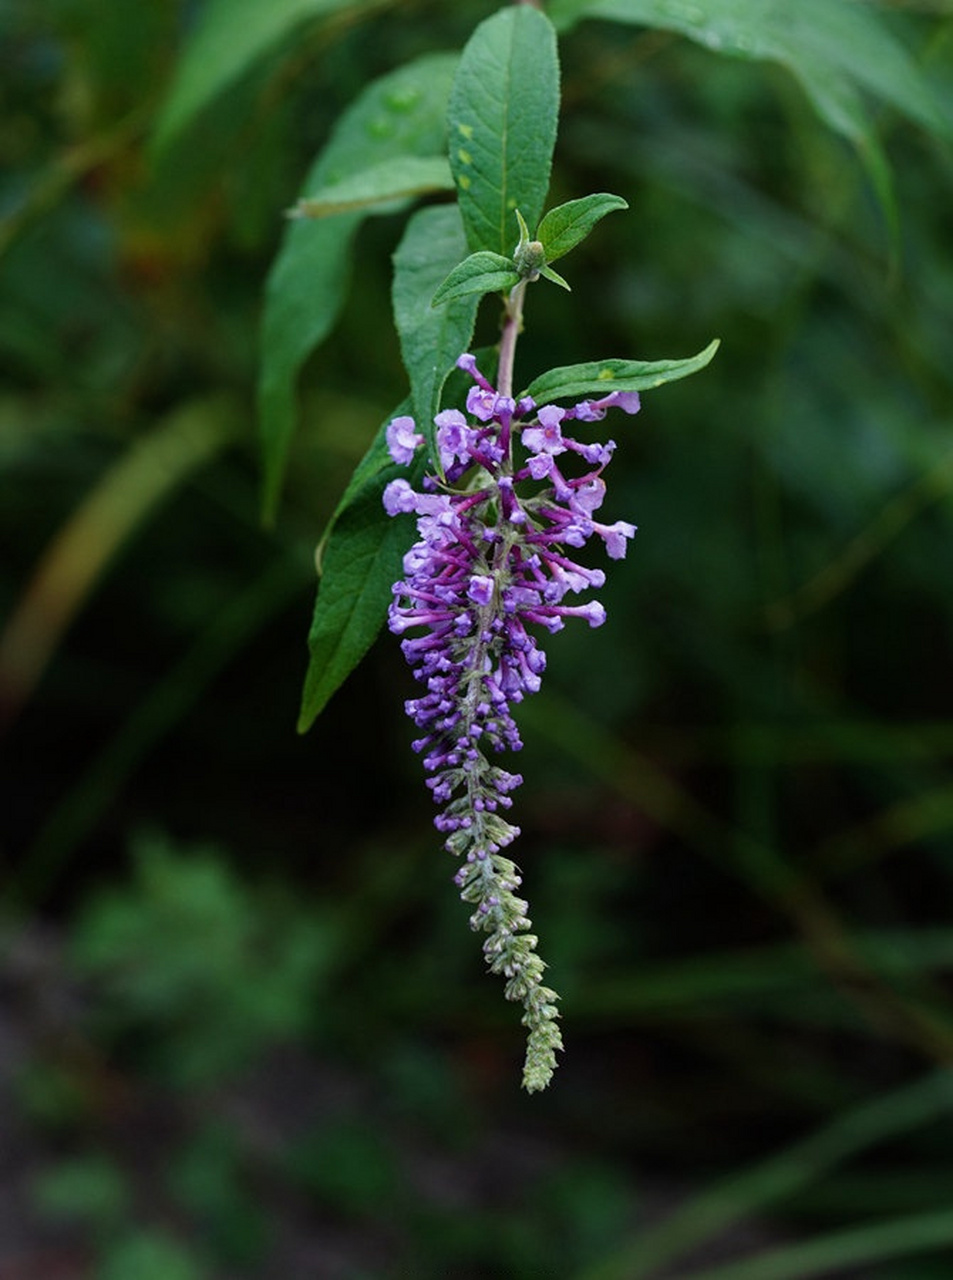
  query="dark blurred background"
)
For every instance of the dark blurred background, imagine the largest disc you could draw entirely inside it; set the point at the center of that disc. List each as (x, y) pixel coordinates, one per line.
(245, 1030)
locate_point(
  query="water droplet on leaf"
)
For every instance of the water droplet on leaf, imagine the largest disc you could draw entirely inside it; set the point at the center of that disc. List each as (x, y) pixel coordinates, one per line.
(380, 127)
(403, 100)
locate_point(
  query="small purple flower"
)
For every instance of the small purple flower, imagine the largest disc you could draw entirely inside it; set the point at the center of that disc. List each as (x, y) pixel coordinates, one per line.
(399, 497)
(486, 404)
(540, 465)
(468, 364)
(628, 401)
(588, 497)
(453, 437)
(614, 536)
(597, 455)
(403, 439)
(595, 410)
(547, 437)
(480, 589)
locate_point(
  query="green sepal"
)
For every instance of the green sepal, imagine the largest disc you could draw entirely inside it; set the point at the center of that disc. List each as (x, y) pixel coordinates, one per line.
(481, 272)
(549, 274)
(525, 236)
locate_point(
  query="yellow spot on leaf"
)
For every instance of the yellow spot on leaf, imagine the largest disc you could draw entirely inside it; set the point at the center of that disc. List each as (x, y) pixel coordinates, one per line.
(463, 182)
(464, 156)
(604, 374)
(466, 130)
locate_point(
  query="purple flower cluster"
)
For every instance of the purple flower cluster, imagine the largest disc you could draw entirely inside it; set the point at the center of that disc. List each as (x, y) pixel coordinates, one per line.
(490, 568)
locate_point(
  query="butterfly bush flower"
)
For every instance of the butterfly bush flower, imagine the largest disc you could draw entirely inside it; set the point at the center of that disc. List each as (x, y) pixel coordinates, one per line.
(489, 571)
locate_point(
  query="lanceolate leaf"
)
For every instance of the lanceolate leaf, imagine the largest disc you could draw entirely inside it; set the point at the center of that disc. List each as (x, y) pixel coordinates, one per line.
(549, 274)
(431, 338)
(502, 125)
(568, 224)
(599, 377)
(480, 273)
(229, 38)
(361, 553)
(401, 114)
(375, 460)
(395, 179)
(360, 557)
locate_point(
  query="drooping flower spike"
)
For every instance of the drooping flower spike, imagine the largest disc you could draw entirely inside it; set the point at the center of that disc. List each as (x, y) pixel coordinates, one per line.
(490, 568)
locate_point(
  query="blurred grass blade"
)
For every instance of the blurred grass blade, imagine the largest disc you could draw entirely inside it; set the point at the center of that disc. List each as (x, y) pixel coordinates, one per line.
(400, 115)
(398, 179)
(842, 569)
(780, 981)
(229, 38)
(823, 1256)
(168, 702)
(758, 863)
(82, 549)
(715, 1210)
(926, 815)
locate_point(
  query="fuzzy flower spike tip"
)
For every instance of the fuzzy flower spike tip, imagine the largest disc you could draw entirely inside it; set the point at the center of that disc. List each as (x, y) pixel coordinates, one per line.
(491, 568)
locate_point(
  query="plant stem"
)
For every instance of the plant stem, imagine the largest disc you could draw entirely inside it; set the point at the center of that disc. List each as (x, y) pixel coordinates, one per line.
(512, 324)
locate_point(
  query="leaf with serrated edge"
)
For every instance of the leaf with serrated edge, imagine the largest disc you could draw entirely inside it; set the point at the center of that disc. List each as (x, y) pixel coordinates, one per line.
(482, 272)
(229, 38)
(568, 224)
(501, 123)
(403, 112)
(396, 179)
(599, 377)
(431, 338)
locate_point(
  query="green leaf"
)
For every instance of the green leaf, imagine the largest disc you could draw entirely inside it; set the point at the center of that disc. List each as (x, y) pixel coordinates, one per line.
(430, 338)
(362, 557)
(376, 459)
(836, 49)
(482, 272)
(599, 377)
(502, 125)
(566, 225)
(229, 38)
(549, 274)
(401, 114)
(400, 178)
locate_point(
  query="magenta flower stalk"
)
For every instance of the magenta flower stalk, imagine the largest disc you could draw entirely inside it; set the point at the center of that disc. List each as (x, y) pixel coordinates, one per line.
(491, 569)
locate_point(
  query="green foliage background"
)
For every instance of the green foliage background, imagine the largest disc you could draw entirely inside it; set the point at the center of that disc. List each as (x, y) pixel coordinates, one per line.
(270, 1025)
